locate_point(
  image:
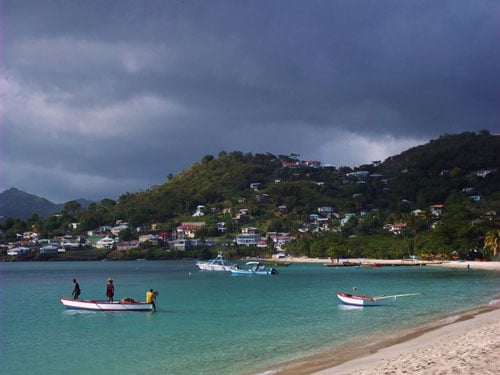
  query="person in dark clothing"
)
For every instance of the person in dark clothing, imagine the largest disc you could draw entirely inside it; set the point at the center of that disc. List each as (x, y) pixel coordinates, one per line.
(110, 290)
(76, 290)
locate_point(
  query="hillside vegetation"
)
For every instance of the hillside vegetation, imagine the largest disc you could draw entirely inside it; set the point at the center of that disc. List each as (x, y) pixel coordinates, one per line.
(459, 172)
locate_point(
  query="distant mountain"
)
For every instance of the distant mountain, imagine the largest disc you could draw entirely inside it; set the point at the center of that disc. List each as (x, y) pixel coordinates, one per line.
(19, 204)
(83, 202)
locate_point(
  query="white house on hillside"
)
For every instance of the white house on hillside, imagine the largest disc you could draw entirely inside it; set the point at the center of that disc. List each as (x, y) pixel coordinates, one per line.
(105, 243)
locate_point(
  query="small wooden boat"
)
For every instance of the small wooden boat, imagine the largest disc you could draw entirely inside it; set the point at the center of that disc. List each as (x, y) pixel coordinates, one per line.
(78, 304)
(362, 300)
(357, 299)
(342, 264)
(371, 265)
(269, 263)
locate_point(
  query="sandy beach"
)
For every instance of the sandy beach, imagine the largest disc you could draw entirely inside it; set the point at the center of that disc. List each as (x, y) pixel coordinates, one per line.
(469, 346)
(468, 343)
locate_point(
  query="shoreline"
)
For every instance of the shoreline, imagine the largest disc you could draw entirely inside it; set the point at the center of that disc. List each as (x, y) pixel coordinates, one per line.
(470, 264)
(432, 348)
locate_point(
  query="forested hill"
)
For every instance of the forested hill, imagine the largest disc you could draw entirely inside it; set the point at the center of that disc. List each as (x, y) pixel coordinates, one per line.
(330, 211)
(416, 178)
(467, 151)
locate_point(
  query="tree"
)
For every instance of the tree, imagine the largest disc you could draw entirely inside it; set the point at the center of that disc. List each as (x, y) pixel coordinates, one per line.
(127, 234)
(492, 241)
(72, 208)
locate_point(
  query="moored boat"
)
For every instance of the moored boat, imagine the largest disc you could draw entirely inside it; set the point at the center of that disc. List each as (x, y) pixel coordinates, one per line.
(220, 263)
(357, 299)
(254, 268)
(362, 300)
(78, 304)
(342, 264)
(269, 263)
(372, 265)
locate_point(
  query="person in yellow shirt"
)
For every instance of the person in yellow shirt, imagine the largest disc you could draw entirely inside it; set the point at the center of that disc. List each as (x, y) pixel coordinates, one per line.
(150, 298)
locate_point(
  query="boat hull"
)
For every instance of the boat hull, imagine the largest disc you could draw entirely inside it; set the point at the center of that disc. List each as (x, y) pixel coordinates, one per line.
(105, 305)
(205, 266)
(359, 300)
(266, 272)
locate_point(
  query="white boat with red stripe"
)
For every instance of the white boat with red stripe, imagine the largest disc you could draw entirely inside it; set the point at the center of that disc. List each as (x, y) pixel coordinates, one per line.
(78, 304)
(362, 300)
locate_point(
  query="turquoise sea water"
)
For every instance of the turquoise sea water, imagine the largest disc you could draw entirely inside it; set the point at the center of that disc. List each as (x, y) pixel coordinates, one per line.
(210, 322)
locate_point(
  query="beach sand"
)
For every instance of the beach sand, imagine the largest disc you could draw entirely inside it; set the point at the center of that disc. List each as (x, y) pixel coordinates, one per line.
(470, 346)
(468, 343)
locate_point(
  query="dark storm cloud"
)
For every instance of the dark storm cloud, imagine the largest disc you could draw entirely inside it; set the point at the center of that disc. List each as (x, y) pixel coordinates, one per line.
(101, 98)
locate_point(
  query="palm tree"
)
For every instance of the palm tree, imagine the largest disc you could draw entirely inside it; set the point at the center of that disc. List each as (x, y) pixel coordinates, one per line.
(492, 241)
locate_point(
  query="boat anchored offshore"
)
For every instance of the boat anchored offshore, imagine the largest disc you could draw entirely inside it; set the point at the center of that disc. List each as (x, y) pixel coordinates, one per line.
(123, 305)
(362, 300)
(220, 263)
(254, 268)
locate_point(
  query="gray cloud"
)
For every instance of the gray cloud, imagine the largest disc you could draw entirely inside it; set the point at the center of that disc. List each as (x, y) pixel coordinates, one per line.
(101, 98)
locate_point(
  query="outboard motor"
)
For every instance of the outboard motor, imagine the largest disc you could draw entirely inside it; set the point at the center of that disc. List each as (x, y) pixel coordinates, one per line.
(274, 271)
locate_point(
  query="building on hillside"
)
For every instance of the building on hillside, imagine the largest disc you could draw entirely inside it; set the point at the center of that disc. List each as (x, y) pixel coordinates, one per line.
(19, 251)
(312, 164)
(255, 186)
(49, 249)
(397, 228)
(199, 211)
(325, 210)
(149, 238)
(117, 229)
(250, 230)
(346, 218)
(184, 244)
(105, 243)
(247, 239)
(436, 209)
(188, 229)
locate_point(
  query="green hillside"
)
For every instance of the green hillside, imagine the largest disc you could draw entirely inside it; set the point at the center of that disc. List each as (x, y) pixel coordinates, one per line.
(278, 193)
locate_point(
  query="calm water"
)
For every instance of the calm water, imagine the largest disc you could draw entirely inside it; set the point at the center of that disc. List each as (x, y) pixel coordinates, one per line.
(209, 323)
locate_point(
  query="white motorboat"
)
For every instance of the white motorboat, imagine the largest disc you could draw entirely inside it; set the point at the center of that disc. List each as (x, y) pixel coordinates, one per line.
(220, 263)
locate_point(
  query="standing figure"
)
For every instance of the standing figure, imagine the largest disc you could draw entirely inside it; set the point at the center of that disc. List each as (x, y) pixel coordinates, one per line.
(76, 290)
(150, 298)
(110, 290)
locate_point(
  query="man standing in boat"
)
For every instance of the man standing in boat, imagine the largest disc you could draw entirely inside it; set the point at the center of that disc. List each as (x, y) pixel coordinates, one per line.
(110, 290)
(76, 290)
(150, 298)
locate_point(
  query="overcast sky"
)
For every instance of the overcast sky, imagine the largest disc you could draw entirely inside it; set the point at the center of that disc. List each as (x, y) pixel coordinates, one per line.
(100, 98)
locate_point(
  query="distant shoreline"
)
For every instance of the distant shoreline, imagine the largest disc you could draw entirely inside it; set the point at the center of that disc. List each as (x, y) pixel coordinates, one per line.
(477, 265)
(458, 264)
